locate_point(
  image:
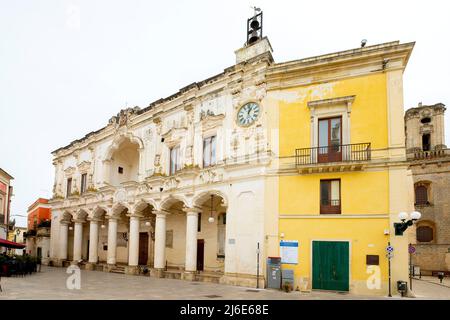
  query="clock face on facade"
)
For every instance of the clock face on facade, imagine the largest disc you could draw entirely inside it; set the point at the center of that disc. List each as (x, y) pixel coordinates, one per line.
(248, 114)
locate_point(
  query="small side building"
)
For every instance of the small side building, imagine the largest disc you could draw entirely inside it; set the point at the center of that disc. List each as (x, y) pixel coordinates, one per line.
(430, 164)
(38, 233)
(6, 191)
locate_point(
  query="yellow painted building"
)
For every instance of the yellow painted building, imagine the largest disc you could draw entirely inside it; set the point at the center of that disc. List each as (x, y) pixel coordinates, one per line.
(342, 174)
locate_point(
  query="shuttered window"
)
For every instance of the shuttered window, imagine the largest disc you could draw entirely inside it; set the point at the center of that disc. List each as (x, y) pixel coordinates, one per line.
(421, 194)
(424, 234)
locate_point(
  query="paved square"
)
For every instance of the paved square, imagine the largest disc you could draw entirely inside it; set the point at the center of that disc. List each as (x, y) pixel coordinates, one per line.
(50, 283)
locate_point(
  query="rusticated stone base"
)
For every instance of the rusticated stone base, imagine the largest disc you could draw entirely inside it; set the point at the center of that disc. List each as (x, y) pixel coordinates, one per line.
(57, 262)
(242, 280)
(157, 273)
(132, 270)
(90, 266)
(188, 276)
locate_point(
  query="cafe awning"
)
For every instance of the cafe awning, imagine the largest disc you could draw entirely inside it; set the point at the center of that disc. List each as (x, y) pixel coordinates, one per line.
(10, 244)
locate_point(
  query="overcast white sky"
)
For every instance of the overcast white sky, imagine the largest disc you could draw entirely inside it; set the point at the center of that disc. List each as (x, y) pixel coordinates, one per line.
(67, 66)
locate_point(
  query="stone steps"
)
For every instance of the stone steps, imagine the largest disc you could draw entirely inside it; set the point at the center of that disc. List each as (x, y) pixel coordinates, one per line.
(172, 275)
(208, 277)
(118, 269)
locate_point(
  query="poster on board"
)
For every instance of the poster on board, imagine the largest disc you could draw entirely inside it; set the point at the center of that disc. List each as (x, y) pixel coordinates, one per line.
(289, 251)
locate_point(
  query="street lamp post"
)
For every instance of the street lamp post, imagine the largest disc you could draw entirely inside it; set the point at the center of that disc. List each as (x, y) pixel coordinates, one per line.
(401, 227)
(405, 224)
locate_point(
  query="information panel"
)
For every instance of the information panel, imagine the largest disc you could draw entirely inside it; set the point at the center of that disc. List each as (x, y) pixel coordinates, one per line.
(289, 251)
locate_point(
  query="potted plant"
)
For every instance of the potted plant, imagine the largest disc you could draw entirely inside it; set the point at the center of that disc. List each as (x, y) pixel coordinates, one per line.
(287, 286)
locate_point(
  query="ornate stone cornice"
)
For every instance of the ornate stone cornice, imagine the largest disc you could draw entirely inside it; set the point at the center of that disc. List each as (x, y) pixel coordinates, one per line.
(69, 171)
(347, 100)
(84, 166)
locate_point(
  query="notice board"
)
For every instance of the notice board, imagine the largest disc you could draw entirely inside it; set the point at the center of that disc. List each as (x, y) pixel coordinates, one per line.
(289, 251)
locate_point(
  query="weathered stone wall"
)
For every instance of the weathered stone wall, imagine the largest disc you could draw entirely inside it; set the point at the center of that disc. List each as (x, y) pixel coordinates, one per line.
(432, 256)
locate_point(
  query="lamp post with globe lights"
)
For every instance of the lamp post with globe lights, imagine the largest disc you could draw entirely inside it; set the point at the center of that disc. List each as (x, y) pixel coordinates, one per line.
(400, 227)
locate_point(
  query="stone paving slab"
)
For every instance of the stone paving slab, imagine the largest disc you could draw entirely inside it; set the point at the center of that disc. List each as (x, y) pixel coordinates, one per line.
(428, 288)
(50, 283)
(445, 281)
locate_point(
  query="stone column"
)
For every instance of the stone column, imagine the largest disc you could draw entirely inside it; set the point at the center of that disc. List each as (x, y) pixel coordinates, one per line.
(63, 238)
(191, 238)
(93, 241)
(112, 240)
(160, 240)
(77, 240)
(133, 241)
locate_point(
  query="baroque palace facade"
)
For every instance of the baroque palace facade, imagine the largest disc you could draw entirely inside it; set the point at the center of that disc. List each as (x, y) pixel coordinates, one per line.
(202, 184)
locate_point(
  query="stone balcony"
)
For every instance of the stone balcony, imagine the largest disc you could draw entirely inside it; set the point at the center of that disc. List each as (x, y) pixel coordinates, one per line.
(417, 155)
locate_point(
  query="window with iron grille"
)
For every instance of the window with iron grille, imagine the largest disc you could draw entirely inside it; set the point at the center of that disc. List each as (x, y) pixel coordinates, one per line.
(424, 234)
(421, 192)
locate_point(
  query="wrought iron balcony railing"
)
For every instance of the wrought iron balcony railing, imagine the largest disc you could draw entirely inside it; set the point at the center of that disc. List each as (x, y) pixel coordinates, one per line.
(330, 206)
(333, 153)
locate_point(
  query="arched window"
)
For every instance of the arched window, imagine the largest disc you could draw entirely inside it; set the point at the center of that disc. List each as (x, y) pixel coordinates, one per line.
(421, 192)
(426, 142)
(424, 234)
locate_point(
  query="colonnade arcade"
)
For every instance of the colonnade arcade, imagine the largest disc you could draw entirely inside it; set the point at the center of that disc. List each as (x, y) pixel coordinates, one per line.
(163, 235)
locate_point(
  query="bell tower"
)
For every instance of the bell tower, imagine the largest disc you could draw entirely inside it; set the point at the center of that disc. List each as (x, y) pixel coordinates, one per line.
(254, 27)
(255, 44)
(425, 128)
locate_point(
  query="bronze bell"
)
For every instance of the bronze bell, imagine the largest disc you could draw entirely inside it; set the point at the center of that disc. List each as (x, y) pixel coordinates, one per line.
(253, 37)
(254, 24)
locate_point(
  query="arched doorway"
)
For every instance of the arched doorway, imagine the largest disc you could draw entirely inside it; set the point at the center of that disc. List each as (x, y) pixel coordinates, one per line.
(144, 211)
(211, 231)
(118, 223)
(175, 250)
(99, 217)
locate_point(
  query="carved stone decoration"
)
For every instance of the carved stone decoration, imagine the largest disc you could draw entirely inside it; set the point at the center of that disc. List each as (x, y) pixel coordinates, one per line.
(84, 166)
(69, 171)
(174, 136)
(208, 113)
(120, 195)
(122, 118)
(171, 183)
(157, 160)
(210, 121)
(235, 141)
(260, 139)
(210, 176)
(144, 188)
(148, 136)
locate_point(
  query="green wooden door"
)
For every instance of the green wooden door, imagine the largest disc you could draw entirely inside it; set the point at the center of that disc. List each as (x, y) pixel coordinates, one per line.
(330, 265)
